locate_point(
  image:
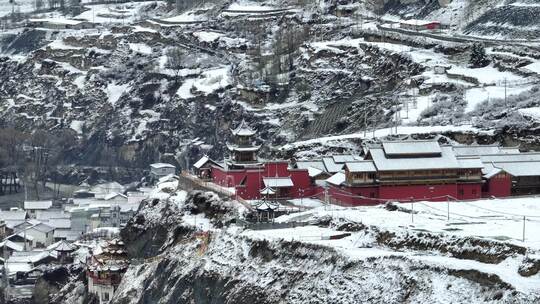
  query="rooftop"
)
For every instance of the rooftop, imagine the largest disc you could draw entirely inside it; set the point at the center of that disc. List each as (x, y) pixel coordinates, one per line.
(19, 215)
(37, 205)
(336, 179)
(243, 129)
(446, 160)
(161, 165)
(201, 162)
(361, 166)
(278, 182)
(411, 147)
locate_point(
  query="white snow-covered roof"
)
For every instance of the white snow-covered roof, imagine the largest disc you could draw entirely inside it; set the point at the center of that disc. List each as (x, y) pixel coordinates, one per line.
(64, 246)
(37, 205)
(44, 215)
(161, 165)
(22, 235)
(243, 129)
(313, 164)
(361, 166)
(470, 163)
(492, 172)
(18, 267)
(42, 228)
(475, 150)
(520, 168)
(340, 159)
(265, 206)
(232, 147)
(12, 245)
(113, 195)
(278, 182)
(129, 207)
(508, 157)
(107, 188)
(59, 223)
(411, 147)
(69, 235)
(16, 215)
(313, 172)
(331, 165)
(201, 162)
(446, 160)
(336, 179)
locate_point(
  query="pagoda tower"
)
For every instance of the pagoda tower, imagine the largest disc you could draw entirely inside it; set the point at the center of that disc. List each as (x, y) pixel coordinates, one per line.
(243, 149)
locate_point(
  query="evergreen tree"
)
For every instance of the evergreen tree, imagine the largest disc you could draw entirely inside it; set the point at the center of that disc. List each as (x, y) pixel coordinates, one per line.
(478, 58)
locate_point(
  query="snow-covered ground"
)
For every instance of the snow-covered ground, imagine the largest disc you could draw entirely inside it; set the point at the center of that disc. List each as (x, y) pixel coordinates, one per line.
(501, 220)
(401, 130)
(125, 13)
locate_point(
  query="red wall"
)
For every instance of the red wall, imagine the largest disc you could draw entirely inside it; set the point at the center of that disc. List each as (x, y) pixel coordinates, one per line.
(348, 196)
(303, 186)
(469, 191)
(417, 192)
(499, 185)
(227, 178)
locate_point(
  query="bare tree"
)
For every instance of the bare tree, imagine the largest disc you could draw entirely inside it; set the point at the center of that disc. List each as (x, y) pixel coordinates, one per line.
(175, 60)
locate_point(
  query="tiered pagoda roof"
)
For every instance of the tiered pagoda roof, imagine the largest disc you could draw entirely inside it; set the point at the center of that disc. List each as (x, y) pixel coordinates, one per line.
(243, 129)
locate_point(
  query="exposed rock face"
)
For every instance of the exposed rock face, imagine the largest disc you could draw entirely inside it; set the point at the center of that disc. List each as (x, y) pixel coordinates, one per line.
(224, 267)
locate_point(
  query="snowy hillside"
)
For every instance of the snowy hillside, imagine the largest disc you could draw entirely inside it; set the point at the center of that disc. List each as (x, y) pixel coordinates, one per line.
(385, 254)
(295, 71)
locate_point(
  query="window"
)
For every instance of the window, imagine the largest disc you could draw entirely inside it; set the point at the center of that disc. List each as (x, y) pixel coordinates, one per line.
(105, 296)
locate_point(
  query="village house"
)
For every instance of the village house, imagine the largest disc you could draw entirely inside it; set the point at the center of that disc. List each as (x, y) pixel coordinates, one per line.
(42, 234)
(13, 218)
(159, 170)
(33, 207)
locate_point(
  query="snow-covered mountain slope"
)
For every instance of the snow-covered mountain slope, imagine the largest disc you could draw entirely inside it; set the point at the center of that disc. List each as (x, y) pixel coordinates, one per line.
(294, 71)
(182, 253)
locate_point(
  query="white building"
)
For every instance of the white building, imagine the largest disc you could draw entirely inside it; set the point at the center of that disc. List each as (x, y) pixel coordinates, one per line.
(13, 218)
(159, 170)
(42, 235)
(32, 207)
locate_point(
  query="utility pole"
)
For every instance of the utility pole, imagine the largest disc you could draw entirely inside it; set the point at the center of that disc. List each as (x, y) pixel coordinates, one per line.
(505, 103)
(523, 237)
(447, 209)
(412, 211)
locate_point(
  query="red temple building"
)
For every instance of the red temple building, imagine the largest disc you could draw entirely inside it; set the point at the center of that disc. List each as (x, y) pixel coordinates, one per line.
(251, 177)
(411, 170)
